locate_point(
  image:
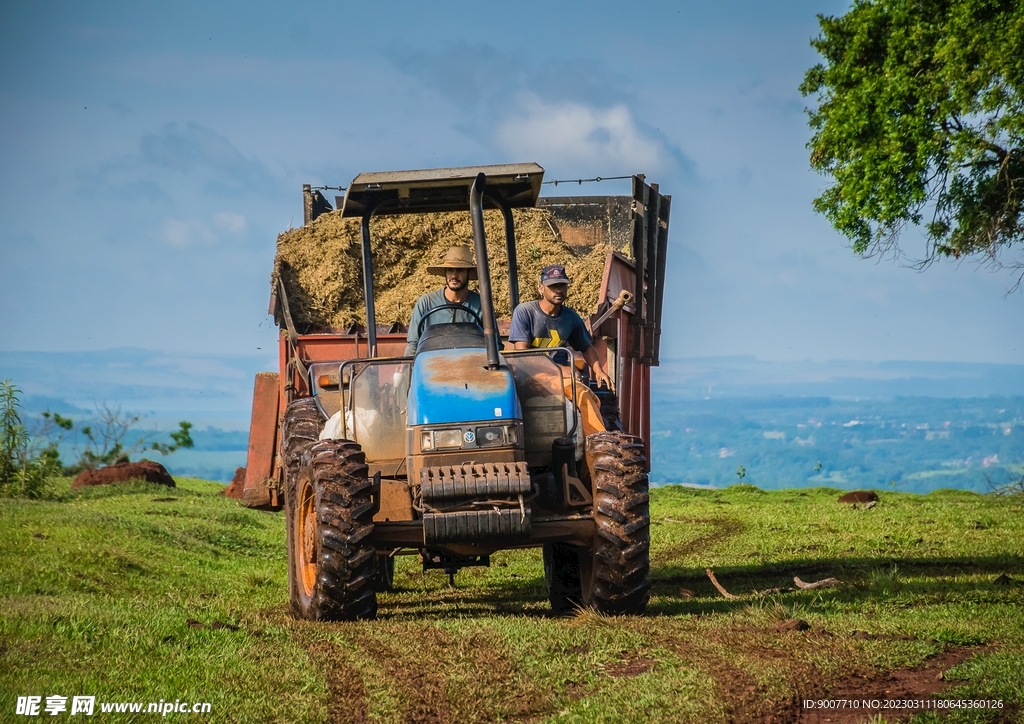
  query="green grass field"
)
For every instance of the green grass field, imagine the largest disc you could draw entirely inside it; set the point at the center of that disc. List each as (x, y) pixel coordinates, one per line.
(140, 593)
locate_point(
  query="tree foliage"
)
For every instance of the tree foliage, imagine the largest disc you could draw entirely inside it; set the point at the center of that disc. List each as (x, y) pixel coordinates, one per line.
(22, 473)
(29, 459)
(13, 437)
(920, 121)
(109, 438)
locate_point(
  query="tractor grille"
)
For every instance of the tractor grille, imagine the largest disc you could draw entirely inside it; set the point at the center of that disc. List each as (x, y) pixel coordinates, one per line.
(444, 485)
(473, 526)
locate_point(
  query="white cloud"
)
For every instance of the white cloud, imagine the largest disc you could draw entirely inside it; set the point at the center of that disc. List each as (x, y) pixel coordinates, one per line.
(183, 233)
(581, 136)
(234, 223)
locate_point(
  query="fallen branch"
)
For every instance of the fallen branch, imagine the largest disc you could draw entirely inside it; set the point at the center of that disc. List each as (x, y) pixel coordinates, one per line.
(711, 575)
(824, 583)
(1011, 488)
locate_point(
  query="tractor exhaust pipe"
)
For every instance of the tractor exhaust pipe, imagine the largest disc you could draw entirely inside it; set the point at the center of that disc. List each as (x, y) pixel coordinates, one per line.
(371, 313)
(483, 270)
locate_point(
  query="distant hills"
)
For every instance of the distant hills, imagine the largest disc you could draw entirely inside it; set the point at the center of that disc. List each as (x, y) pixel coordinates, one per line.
(736, 403)
(205, 389)
(750, 377)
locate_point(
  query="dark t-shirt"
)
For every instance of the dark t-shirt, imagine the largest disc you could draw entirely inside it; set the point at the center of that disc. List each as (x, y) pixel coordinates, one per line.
(531, 324)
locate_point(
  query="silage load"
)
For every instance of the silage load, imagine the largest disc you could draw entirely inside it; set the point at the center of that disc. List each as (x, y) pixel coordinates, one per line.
(321, 264)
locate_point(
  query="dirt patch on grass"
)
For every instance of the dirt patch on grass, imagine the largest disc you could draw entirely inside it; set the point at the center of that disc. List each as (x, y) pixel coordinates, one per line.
(452, 677)
(722, 528)
(728, 654)
(738, 690)
(421, 681)
(920, 682)
(630, 668)
(346, 694)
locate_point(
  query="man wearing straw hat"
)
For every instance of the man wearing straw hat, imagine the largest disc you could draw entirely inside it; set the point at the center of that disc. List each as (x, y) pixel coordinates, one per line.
(457, 268)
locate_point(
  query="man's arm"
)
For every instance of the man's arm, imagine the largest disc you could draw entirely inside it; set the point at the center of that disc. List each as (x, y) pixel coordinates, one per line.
(594, 360)
(413, 337)
(519, 330)
(581, 339)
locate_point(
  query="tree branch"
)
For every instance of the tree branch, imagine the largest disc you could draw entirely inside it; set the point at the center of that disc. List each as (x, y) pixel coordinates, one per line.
(714, 581)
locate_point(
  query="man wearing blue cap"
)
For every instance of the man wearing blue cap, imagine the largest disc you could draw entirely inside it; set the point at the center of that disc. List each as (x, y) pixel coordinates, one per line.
(547, 322)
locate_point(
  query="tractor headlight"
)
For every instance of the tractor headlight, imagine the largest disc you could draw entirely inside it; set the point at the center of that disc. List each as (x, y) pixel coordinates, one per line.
(447, 438)
(487, 436)
(497, 435)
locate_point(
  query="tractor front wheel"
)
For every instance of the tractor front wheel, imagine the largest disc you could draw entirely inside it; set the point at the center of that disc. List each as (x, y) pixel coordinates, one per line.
(330, 520)
(615, 573)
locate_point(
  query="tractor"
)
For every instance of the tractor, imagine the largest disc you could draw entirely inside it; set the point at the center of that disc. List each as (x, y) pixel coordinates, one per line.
(467, 447)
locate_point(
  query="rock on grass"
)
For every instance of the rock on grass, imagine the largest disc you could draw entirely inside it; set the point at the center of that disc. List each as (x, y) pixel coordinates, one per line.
(147, 470)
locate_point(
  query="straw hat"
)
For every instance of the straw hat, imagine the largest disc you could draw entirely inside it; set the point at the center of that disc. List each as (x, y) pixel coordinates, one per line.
(458, 257)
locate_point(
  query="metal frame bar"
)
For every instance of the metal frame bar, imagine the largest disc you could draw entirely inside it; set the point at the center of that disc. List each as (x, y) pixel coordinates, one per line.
(483, 274)
(650, 271)
(664, 211)
(346, 399)
(641, 198)
(371, 312)
(510, 247)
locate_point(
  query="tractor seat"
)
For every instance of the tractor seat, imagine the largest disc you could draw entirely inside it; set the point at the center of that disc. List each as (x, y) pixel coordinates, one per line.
(451, 335)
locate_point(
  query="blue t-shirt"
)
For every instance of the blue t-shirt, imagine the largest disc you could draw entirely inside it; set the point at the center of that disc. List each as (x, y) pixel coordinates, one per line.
(432, 300)
(531, 324)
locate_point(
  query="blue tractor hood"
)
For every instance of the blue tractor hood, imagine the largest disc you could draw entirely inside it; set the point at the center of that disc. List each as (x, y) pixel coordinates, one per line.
(453, 386)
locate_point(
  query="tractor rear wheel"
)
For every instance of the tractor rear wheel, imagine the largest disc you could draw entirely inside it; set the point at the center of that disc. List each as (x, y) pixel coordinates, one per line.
(385, 580)
(562, 575)
(300, 431)
(615, 575)
(330, 518)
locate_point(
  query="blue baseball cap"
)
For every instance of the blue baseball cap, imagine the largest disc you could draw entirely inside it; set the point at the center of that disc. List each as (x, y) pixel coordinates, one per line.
(553, 274)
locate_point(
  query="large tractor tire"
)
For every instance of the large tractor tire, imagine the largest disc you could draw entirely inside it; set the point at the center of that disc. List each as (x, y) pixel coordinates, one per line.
(385, 577)
(615, 573)
(562, 575)
(300, 431)
(332, 566)
(609, 408)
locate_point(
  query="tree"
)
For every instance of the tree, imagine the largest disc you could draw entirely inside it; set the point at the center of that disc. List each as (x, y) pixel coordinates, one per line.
(920, 115)
(22, 474)
(13, 437)
(111, 437)
(29, 460)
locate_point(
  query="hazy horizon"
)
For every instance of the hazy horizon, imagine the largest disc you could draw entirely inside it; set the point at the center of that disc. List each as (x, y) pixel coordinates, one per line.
(216, 389)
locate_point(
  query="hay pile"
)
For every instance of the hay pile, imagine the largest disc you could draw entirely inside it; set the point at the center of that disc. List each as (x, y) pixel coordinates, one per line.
(321, 267)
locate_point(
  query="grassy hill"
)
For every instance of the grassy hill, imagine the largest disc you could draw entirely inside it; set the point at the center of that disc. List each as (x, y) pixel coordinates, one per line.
(139, 593)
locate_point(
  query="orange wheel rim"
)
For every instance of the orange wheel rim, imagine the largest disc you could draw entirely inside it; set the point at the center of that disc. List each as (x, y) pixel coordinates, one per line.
(308, 539)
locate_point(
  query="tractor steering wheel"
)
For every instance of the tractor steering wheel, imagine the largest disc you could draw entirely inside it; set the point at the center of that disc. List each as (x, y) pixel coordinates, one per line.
(457, 307)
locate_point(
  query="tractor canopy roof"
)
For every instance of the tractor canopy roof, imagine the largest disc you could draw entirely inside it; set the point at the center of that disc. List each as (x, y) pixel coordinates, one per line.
(517, 185)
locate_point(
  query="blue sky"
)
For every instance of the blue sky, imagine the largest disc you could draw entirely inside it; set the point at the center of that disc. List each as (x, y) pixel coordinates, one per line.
(151, 153)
